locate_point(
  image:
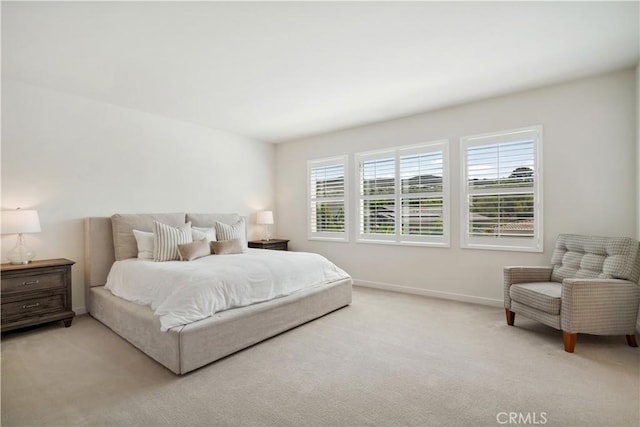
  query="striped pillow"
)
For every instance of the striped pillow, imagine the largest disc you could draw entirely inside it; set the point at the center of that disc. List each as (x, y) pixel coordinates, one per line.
(230, 232)
(166, 240)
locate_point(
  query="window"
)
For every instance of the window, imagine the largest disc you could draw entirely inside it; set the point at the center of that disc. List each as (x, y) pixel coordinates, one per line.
(403, 195)
(502, 190)
(328, 211)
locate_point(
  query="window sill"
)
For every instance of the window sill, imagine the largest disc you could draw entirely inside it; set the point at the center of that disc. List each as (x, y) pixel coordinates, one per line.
(485, 247)
(396, 243)
(328, 239)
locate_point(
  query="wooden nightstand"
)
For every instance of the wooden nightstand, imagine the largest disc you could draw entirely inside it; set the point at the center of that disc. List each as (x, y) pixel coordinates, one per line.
(36, 293)
(274, 244)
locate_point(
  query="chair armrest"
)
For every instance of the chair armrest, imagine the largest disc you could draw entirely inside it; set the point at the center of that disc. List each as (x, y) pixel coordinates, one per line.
(599, 306)
(517, 274)
(520, 274)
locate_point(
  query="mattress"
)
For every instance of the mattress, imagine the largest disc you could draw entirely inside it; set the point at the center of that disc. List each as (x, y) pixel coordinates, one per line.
(183, 292)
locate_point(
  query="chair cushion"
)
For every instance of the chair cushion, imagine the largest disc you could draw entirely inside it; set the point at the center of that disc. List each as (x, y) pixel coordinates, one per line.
(592, 257)
(543, 296)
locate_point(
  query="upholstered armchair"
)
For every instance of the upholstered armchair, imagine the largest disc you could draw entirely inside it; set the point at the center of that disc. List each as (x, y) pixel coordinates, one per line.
(591, 287)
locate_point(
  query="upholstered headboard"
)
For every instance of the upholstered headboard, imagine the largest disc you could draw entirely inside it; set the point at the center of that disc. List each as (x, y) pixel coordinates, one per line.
(98, 250)
(99, 240)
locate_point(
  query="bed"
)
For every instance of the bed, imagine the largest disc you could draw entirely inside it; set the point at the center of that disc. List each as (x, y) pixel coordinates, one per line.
(184, 348)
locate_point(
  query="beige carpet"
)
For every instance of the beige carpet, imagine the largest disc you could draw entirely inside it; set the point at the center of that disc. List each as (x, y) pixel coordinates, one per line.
(389, 359)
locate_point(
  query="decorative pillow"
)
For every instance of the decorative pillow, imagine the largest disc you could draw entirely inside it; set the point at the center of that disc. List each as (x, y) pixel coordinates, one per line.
(226, 247)
(166, 240)
(200, 233)
(194, 250)
(124, 244)
(230, 232)
(144, 239)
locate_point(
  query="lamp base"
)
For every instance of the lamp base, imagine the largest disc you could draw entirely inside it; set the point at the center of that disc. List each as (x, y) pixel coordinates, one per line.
(21, 254)
(266, 236)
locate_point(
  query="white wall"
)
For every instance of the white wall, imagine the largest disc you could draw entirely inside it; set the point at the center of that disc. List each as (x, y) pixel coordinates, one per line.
(70, 158)
(589, 174)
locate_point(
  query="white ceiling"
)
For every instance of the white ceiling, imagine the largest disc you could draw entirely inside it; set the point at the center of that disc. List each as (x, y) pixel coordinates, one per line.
(280, 71)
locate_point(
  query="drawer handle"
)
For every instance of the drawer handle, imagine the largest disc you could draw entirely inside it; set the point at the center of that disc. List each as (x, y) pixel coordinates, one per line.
(30, 282)
(31, 305)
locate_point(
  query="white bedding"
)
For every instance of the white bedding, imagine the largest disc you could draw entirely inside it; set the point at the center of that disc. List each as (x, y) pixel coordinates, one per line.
(182, 292)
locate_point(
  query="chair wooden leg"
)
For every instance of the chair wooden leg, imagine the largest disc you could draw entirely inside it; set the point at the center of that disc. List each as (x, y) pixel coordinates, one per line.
(511, 316)
(631, 340)
(569, 341)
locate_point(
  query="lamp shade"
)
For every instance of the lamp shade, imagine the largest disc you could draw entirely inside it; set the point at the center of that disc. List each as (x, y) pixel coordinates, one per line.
(265, 217)
(20, 221)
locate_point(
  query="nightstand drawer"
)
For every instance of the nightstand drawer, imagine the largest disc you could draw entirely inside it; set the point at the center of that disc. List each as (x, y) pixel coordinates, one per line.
(12, 311)
(273, 244)
(34, 282)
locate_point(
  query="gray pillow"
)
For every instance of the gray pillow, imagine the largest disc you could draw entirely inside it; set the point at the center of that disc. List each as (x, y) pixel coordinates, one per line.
(194, 250)
(226, 247)
(124, 244)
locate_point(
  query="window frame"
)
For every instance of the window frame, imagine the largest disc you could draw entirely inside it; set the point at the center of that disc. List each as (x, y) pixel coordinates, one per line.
(500, 243)
(342, 236)
(397, 238)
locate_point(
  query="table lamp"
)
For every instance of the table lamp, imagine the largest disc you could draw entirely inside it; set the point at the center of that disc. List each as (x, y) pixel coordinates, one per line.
(19, 222)
(265, 218)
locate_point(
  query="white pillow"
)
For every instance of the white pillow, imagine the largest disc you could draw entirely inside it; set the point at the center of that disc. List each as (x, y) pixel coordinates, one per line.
(144, 239)
(230, 232)
(200, 233)
(166, 240)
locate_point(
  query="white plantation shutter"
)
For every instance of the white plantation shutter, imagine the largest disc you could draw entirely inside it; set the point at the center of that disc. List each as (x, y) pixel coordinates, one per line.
(327, 203)
(422, 198)
(377, 188)
(501, 190)
(402, 195)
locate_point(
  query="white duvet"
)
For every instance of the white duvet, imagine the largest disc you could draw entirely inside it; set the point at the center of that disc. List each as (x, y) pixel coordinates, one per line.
(182, 292)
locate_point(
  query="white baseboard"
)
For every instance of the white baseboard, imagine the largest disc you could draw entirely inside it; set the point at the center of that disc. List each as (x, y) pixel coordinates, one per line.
(80, 310)
(429, 293)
